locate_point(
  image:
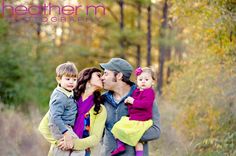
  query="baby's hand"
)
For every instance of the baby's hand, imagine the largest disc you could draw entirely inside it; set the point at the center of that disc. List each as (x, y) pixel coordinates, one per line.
(129, 100)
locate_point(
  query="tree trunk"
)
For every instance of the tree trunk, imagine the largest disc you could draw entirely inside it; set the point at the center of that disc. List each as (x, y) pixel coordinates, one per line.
(168, 58)
(149, 46)
(38, 30)
(139, 28)
(121, 4)
(162, 49)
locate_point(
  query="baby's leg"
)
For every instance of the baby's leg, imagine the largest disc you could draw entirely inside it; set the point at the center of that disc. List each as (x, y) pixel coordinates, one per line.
(139, 149)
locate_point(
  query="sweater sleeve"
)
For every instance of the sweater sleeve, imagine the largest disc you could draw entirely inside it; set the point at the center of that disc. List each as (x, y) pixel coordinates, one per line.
(57, 107)
(96, 132)
(154, 131)
(44, 130)
(146, 99)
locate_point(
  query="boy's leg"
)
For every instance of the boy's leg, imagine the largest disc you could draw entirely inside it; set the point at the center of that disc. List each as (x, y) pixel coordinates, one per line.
(57, 135)
(55, 131)
(75, 153)
(139, 149)
(58, 152)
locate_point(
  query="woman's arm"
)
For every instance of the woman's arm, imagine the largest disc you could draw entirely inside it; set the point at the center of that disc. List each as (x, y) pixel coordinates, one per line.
(95, 134)
(44, 130)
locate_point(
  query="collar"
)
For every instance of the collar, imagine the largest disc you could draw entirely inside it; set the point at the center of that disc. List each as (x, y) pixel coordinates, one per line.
(109, 96)
(66, 92)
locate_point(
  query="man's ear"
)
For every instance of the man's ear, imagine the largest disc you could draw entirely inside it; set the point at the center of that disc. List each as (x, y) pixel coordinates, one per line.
(58, 80)
(119, 76)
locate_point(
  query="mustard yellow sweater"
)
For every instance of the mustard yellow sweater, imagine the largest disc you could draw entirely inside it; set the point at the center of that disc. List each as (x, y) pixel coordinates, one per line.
(97, 124)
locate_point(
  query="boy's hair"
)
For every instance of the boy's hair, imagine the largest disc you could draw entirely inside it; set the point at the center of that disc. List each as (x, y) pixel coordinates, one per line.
(150, 71)
(68, 69)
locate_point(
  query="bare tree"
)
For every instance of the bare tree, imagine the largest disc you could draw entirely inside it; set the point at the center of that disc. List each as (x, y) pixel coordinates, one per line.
(138, 56)
(121, 4)
(38, 22)
(162, 48)
(149, 36)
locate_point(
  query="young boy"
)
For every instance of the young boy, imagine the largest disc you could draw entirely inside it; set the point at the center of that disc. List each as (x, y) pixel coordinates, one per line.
(62, 106)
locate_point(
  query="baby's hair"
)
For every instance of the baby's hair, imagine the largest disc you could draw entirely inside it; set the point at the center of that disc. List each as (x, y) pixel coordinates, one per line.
(68, 69)
(150, 71)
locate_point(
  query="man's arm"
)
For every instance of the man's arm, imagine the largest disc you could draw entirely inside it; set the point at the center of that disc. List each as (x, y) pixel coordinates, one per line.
(154, 131)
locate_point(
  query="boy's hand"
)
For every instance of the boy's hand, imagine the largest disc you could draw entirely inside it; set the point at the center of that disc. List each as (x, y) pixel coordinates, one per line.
(129, 100)
(68, 140)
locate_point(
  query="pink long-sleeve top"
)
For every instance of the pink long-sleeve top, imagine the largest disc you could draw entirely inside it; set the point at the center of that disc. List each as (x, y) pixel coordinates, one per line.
(141, 109)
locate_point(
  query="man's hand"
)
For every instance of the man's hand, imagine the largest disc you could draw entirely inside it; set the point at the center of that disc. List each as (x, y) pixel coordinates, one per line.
(129, 100)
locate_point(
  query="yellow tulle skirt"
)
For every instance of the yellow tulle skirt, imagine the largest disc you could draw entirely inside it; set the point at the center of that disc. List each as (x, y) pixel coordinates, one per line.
(130, 131)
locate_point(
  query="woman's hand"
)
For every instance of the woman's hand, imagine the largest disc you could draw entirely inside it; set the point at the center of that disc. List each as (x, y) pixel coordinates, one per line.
(62, 145)
(68, 139)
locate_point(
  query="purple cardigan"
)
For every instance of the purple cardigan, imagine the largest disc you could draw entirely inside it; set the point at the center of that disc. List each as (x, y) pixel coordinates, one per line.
(141, 109)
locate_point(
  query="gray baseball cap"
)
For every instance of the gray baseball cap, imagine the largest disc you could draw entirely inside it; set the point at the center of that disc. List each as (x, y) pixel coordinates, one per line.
(119, 65)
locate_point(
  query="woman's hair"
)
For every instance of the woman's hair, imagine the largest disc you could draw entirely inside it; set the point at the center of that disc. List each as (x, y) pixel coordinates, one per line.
(84, 76)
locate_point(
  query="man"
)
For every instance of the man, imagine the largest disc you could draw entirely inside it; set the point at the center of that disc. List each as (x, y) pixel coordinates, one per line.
(116, 79)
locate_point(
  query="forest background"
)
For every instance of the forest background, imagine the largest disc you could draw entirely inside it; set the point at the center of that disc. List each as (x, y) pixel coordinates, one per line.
(190, 44)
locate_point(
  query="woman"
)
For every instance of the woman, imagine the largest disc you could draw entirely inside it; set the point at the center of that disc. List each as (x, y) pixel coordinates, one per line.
(91, 115)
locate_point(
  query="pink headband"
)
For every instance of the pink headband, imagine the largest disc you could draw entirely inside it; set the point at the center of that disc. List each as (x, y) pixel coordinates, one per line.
(138, 71)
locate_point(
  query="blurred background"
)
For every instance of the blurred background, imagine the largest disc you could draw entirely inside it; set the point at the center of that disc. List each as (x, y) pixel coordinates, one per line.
(190, 44)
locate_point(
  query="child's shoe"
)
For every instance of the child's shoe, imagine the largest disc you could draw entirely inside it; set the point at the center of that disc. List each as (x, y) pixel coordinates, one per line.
(118, 150)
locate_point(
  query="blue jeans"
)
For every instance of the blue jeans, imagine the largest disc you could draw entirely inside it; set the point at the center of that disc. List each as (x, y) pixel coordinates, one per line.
(87, 153)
